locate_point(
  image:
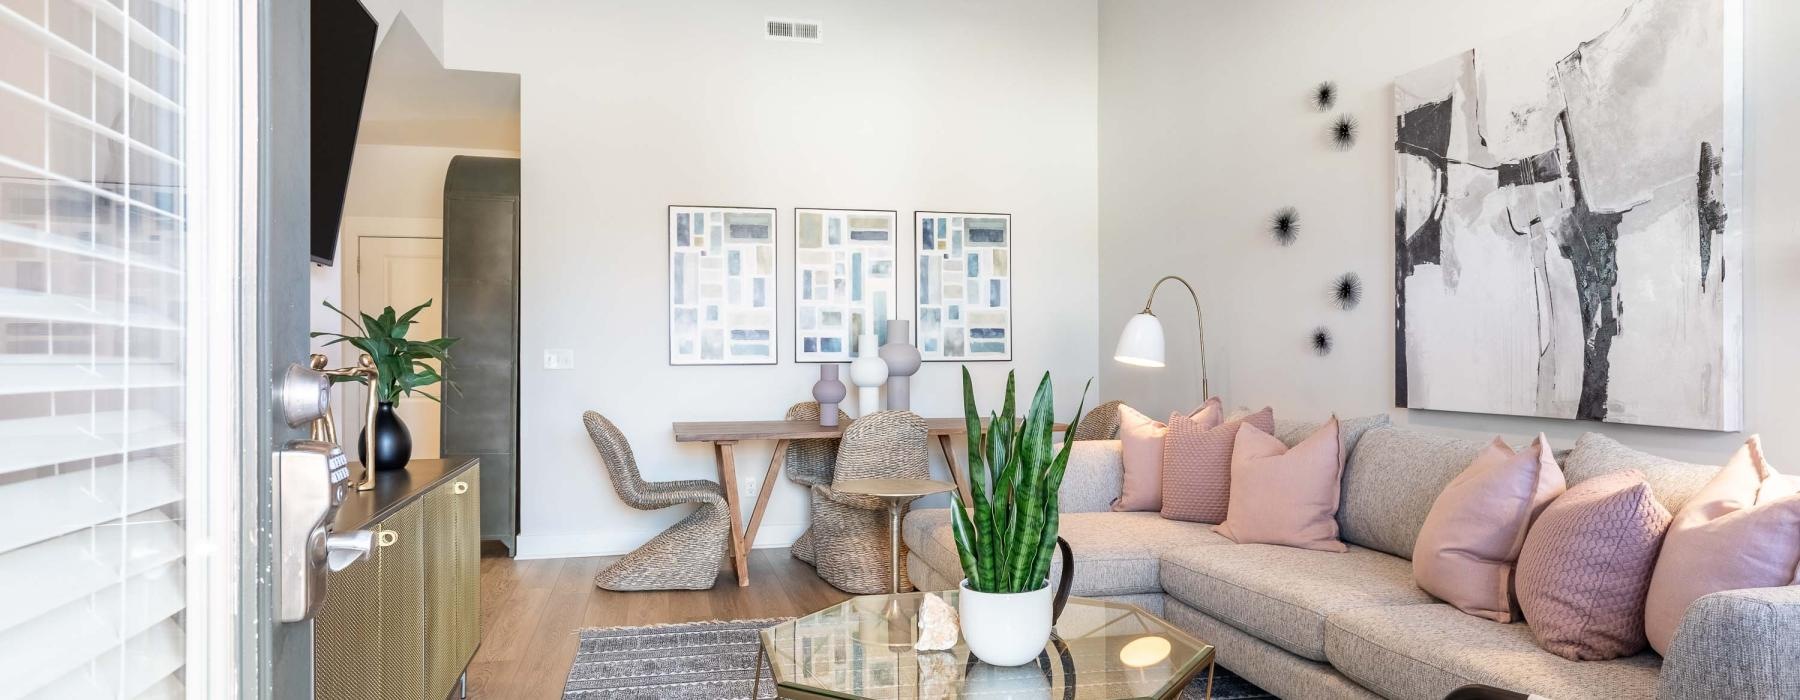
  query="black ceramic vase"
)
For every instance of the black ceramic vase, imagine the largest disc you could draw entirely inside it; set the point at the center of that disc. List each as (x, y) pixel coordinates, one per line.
(393, 442)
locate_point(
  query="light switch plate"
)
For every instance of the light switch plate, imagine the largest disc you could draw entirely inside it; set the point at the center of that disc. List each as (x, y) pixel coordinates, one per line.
(559, 358)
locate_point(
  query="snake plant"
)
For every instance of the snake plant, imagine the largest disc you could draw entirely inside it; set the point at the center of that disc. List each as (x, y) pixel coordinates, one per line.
(1005, 540)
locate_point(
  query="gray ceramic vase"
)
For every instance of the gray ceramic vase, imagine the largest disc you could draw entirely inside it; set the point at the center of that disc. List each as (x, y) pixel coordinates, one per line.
(903, 362)
(829, 392)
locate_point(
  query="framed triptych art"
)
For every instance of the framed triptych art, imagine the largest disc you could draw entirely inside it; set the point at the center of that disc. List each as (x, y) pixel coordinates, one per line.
(845, 268)
(963, 309)
(722, 286)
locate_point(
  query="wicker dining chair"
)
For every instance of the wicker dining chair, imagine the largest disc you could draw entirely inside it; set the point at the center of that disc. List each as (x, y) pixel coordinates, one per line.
(1101, 423)
(850, 534)
(685, 556)
(808, 463)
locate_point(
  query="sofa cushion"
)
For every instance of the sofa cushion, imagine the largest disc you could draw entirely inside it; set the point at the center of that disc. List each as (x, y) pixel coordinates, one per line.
(1423, 652)
(1282, 594)
(1093, 478)
(1282, 496)
(1585, 568)
(1115, 553)
(1737, 532)
(1673, 482)
(1350, 430)
(1470, 543)
(1390, 482)
(1197, 466)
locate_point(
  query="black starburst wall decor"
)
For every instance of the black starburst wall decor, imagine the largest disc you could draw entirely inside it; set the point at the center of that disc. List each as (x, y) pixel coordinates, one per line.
(1347, 290)
(1284, 225)
(1321, 341)
(1325, 95)
(1343, 132)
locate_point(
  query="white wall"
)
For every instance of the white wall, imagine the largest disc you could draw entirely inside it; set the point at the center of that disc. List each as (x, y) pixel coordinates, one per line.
(1205, 130)
(629, 107)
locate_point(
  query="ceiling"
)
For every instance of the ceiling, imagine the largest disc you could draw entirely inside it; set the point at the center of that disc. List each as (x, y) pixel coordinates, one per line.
(413, 100)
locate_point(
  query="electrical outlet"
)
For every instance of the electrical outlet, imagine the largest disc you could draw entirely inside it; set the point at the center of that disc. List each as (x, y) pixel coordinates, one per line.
(559, 358)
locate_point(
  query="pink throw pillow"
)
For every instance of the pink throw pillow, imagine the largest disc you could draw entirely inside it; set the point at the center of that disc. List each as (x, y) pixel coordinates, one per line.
(1285, 496)
(1141, 454)
(1739, 531)
(1586, 565)
(1196, 476)
(1472, 536)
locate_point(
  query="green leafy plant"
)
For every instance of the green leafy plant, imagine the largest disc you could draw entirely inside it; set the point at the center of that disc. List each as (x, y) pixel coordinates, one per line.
(399, 362)
(1006, 542)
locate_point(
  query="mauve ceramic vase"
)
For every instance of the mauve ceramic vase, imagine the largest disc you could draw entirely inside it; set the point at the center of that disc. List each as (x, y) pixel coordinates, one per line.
(867, 373)
(829, 392)
(903, 362)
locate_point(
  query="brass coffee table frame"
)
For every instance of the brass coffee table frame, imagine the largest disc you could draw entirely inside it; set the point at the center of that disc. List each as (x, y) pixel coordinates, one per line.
(1206, 659)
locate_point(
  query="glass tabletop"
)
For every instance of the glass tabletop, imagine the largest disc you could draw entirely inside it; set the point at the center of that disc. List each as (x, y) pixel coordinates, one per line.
(862, 648)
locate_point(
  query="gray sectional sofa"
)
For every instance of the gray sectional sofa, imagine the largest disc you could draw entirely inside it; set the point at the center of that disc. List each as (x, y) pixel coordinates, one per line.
(1306, 624)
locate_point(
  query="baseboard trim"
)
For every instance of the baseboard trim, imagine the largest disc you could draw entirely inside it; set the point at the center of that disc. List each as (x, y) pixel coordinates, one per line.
(611, 542)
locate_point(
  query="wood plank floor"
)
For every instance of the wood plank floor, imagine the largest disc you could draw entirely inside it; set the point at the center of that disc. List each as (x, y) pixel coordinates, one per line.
(531, 611)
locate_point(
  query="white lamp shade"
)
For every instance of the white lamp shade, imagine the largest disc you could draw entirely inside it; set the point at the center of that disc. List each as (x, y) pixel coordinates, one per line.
(1141, 343)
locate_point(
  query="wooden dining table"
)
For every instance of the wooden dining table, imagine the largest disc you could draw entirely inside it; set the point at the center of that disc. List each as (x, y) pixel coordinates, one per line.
(724, 436)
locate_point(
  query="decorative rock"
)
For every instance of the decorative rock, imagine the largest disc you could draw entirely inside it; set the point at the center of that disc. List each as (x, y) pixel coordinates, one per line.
(937, 624)
(940, 676)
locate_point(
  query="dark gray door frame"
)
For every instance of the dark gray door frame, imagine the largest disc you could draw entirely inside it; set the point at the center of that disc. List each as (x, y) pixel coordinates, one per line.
(278, 658)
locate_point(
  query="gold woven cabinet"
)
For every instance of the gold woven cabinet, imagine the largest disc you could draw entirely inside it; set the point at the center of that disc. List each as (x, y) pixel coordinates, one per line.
(452, 580)
(404, 623)
(367, 641)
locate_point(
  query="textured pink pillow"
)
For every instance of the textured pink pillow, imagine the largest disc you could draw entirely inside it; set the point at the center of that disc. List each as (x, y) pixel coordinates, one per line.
(1282, 496)
(1196, 476)
(1742, 530)
(1141, 454)
(1586, 567)
(1472, 536)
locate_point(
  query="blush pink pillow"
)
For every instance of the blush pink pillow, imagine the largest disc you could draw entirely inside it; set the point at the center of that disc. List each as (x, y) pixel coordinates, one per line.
(1285, 496)
(1141, 454)
(1196, 473)
(1477, 525)
(1742, 530)
(1586, 567)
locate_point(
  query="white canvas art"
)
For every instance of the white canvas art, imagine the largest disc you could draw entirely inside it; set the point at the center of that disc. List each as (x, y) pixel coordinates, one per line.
(1567, 235)
(844, 279)
(722, 286)
(964, 309)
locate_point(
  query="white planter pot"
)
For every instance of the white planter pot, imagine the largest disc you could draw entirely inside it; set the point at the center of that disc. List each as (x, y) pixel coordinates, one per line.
(1005, 629)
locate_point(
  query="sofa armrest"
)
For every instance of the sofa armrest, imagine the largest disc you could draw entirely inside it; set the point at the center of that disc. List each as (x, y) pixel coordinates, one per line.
(1093, 478)
(1736, 644)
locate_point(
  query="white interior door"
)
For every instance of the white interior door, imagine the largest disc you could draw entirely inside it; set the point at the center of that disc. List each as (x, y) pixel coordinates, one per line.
(403, 273)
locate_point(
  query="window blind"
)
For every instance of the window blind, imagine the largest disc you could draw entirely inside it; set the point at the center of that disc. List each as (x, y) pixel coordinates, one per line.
(92, 468)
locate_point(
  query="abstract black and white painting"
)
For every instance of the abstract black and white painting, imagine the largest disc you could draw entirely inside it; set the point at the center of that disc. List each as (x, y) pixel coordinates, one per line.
(844, 279)
(1566, 221)
(964, 309)
(721, 286)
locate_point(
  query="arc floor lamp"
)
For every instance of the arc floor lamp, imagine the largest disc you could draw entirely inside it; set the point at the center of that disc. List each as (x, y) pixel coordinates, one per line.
(1141, 343)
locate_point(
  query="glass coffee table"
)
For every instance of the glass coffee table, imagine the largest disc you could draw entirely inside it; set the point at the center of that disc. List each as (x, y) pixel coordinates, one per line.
(1100, 651)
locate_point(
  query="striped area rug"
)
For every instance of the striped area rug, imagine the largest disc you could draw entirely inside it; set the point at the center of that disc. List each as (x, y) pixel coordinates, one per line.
(712, 661)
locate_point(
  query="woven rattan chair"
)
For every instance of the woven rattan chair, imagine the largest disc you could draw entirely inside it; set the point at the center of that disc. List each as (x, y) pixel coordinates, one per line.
(850, 534)
(808, 463)
(685, 556)
(1102, 423)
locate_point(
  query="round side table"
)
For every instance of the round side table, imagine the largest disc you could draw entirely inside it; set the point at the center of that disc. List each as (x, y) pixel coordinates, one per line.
(897, 493)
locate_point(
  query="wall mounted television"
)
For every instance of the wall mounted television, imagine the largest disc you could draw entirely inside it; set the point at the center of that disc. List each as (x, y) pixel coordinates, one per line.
(343, 47)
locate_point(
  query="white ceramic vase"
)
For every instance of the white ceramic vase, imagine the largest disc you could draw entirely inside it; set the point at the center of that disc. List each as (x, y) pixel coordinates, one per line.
(868, 372)
(1005, 629)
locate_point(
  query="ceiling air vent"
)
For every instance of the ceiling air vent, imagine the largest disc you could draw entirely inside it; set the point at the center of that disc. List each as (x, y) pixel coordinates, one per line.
(792, 30)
